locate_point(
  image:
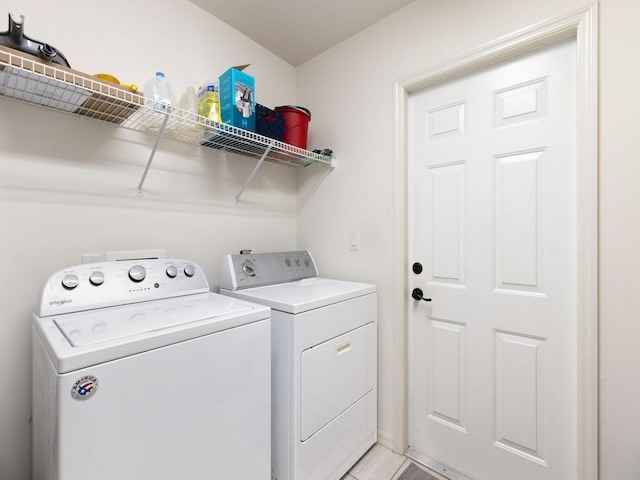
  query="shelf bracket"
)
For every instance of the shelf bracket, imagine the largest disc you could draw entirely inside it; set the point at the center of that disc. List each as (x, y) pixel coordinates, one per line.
(153, 153)
(255, 170)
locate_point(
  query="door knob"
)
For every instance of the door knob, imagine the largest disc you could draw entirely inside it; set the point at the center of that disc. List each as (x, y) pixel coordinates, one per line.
(417, 294)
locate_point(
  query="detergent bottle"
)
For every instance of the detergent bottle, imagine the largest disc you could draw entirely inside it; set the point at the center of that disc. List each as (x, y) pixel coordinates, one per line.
(209, 100)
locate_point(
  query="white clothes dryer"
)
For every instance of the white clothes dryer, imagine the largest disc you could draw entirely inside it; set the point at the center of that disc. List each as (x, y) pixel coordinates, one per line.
(324, 368)
(139, 372)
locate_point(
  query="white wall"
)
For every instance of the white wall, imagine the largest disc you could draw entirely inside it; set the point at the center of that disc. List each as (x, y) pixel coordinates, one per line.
(349, 89)
(68, 185)
(619, 240)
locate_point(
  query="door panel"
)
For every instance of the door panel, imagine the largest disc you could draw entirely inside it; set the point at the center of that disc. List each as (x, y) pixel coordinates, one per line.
(492, 209)
(518, 253)
(446, 206)
(448, 374)
(520, 394)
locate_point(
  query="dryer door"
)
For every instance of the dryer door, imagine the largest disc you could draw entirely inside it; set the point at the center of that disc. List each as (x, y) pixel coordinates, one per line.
(335, 375)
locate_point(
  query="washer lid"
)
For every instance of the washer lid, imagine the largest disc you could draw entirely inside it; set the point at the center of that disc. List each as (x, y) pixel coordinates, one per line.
(83, 339)
(303, 295)
(108, 324)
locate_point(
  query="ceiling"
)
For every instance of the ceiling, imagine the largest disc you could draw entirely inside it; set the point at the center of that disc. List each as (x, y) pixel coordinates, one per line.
(298, 30)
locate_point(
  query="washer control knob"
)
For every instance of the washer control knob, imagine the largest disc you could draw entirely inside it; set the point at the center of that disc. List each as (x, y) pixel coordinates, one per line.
(172, 271)
(189, 271)
(307, 262)
(96, 278)
(287, 262)
(249, 268)
(137, 273)
(297, 262)
(70, 281)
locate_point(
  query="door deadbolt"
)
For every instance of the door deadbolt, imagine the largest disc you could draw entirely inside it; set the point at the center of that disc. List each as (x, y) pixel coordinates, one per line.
(417, 268)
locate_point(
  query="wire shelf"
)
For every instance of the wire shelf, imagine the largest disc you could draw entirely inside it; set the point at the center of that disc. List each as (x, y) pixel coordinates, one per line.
(29, 79)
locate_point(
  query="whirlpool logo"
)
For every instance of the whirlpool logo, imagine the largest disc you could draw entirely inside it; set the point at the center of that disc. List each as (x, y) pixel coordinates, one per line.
(59, 302)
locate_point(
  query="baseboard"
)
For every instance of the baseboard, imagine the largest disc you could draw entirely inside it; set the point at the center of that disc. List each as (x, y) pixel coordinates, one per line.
(386, 440)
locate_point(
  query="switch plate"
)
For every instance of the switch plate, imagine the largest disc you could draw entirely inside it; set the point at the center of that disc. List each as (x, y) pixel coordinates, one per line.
(92, 258)
(136, 255)
(354, 241)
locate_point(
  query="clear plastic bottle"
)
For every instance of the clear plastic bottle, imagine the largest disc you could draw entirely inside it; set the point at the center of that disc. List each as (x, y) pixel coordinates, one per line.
(188, 104)
(188, 113)
(159, 95)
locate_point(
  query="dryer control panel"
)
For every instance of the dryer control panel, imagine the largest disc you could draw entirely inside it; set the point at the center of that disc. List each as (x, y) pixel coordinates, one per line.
(105, 284)
(248, 270)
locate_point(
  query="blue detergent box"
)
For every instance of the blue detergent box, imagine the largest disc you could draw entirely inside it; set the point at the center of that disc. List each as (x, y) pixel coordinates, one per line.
(238, 98)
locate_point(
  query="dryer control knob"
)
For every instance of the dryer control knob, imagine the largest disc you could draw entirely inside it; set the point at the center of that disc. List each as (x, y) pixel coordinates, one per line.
(137, 273)
(172, 271)
(189, 271)
(96, 278)
(70, 281)
(249, 268)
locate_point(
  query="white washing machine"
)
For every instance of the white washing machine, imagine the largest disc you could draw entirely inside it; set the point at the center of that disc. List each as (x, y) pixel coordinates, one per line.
(141, 373)
(324, 369)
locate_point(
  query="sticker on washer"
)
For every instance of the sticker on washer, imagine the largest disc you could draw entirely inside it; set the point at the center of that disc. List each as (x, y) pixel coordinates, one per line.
(85, 388)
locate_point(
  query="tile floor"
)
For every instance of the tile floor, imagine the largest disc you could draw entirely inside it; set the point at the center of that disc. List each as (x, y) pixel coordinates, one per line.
(380, 463)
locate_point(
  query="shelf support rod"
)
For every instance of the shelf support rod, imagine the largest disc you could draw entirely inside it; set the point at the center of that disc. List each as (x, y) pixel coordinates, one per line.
(153, 153)
(255, 170)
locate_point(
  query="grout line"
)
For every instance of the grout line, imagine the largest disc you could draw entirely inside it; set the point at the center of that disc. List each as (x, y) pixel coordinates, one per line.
(406, 459)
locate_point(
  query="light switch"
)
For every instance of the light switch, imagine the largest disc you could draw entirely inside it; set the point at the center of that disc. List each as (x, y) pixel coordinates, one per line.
(354, 241)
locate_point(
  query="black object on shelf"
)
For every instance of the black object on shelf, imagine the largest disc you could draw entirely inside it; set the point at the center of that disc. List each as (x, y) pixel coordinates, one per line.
(269, 122)
(16, 39)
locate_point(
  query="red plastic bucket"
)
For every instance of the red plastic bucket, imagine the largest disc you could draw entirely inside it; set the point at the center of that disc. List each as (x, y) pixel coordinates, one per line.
(296, 121)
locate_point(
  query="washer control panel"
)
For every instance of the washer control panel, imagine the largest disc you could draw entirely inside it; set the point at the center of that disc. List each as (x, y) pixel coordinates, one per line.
(98, 285)
(249, 270)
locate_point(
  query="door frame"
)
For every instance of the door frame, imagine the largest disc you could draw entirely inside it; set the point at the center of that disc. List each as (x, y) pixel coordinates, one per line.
(583, 25)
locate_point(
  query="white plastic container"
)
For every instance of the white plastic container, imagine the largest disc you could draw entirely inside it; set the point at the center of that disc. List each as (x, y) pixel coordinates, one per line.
(159, 95)
(189, 104)
(188, 123)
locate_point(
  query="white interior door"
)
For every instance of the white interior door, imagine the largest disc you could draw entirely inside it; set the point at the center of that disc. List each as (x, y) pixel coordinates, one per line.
(492, 221)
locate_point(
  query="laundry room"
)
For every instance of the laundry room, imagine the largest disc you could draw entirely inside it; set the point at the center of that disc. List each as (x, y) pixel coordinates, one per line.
(74, 188)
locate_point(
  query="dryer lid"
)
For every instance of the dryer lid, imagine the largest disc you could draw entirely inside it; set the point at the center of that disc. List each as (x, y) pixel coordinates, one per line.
(304, 295)
(109, 324)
